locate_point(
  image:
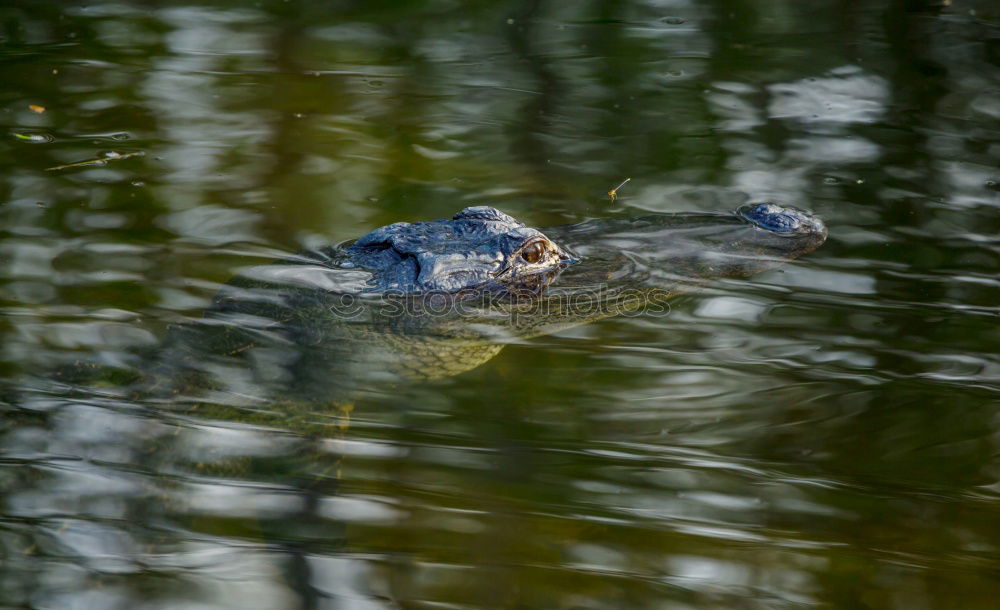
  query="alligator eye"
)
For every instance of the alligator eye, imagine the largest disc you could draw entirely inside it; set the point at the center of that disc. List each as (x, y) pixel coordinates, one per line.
(533, 252)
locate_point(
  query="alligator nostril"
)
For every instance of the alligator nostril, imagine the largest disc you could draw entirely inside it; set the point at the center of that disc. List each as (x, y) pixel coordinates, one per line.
(772, 217)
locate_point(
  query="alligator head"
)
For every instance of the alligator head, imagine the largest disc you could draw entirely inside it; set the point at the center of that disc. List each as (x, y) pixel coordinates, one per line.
(480, 249)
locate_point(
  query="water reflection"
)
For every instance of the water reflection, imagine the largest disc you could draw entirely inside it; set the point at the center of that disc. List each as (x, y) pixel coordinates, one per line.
(824, 435)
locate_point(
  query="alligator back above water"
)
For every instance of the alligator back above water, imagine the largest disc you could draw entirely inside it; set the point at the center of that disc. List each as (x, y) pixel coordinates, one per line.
(432, 299)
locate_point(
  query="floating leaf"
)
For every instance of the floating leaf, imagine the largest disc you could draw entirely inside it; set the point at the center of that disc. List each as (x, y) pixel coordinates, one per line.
(36, 108)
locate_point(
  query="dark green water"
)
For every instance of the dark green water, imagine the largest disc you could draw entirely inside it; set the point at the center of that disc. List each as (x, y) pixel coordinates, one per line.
(827, 435)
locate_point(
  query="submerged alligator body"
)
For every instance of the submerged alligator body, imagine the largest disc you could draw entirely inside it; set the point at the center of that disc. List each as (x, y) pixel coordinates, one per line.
(432, 299)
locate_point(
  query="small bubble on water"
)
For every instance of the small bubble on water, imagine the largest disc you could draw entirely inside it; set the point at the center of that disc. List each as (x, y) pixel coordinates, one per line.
(376, 83)
(138, 183)
(830, 180)
(674, 20)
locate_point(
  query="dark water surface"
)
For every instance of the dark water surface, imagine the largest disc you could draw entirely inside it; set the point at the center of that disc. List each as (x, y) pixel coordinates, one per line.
(826, 435)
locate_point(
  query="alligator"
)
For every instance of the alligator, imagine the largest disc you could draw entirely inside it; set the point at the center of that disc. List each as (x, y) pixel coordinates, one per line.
(427, 300)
